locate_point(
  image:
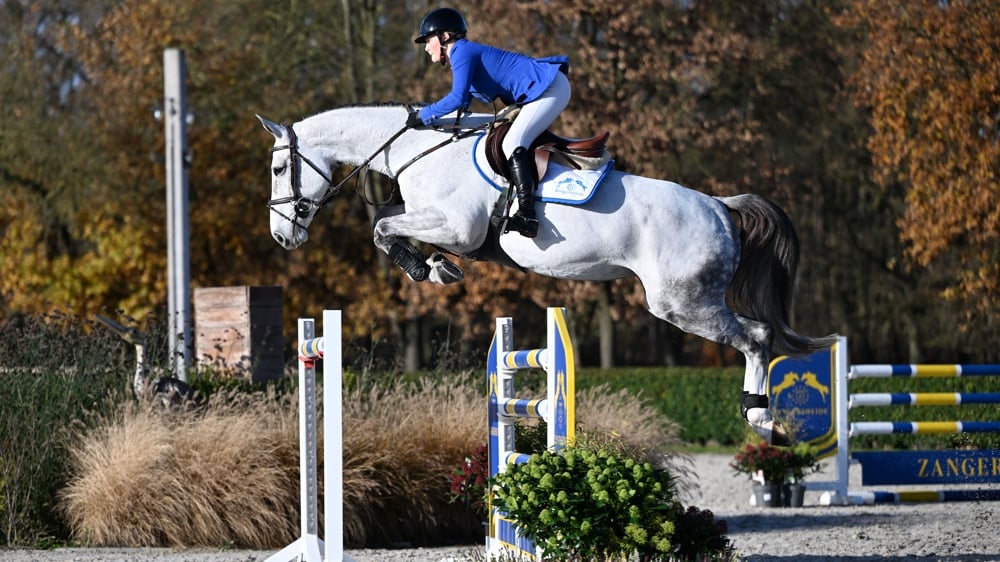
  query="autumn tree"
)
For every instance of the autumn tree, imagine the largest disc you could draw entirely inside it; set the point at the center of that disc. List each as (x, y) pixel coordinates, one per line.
(53, 217)
(929, 75)
(724, 96)
(95, 198)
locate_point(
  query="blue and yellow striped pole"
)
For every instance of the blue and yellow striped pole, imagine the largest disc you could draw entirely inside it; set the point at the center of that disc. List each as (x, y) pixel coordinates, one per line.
(923, 427)
(923, 399)
(923, 371)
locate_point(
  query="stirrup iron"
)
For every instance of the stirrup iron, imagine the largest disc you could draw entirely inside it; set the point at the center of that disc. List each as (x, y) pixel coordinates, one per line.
(525, 226)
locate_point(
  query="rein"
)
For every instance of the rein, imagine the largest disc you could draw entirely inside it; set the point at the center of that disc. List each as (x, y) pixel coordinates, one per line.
(457, 136)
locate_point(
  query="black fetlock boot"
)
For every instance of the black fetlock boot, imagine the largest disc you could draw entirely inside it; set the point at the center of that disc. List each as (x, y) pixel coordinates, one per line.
(410, 260)
(524, 179)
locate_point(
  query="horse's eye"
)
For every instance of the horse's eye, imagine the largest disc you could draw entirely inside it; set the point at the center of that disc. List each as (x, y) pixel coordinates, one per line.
(278, 170)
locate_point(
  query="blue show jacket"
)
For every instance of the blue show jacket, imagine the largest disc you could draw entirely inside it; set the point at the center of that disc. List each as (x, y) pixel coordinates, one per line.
(489, 73)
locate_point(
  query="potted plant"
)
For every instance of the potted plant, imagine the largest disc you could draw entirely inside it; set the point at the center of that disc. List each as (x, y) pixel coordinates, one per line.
(772, 468)
(801, 462)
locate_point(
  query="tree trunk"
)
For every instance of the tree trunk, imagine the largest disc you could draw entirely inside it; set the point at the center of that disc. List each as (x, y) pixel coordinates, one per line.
(606, 328)
(412, 344)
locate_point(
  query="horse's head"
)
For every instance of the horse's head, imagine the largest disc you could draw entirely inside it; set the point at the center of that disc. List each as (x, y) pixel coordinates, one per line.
(297, 191)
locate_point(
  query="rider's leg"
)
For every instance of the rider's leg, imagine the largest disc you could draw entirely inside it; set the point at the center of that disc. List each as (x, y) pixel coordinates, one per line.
(534, 118)
(524, 177)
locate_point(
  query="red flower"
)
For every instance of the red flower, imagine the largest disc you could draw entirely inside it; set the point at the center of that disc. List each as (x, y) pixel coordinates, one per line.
(468, 481)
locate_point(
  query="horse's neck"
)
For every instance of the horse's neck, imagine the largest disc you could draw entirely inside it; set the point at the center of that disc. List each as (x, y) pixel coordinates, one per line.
(352, 135)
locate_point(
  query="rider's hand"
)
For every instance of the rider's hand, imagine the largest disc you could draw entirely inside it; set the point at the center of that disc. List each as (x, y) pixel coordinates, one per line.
(414, 121)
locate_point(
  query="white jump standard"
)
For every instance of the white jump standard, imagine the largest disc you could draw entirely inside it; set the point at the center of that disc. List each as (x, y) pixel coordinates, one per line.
(309, 547)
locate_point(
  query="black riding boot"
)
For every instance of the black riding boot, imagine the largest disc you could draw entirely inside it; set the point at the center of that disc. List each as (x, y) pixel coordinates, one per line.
(525, 180)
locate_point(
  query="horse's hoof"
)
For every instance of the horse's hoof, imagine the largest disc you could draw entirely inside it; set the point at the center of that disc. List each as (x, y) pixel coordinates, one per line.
(410, 260)
(764, 425)
(443, 271)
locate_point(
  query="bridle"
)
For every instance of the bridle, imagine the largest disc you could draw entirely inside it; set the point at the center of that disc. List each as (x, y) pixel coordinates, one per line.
(304, 206)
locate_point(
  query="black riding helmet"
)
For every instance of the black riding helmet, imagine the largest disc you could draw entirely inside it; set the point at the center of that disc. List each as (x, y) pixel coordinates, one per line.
(439, 21)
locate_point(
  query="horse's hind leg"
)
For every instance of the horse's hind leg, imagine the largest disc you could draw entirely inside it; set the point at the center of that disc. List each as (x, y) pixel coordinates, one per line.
(754, 342)
(719, 324)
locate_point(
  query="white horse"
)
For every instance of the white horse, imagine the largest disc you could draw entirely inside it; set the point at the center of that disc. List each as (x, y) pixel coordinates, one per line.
(719, 267)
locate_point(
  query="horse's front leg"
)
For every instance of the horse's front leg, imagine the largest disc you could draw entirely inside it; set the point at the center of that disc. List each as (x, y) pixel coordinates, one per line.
(393, 225)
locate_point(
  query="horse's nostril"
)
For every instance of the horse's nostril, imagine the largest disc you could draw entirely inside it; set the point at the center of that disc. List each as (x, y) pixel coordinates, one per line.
(279, 238)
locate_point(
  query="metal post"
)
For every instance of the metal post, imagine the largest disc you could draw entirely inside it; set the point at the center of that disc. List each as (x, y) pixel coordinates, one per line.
(178, 258)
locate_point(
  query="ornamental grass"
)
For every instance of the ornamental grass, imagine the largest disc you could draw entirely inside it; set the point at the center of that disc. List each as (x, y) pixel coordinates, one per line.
(226, 475)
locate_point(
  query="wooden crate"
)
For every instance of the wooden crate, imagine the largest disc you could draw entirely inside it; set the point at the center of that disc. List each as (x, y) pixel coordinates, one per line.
(240, 329)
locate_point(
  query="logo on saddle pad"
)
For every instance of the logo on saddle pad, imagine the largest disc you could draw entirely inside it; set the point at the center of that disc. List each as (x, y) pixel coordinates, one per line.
(561, 183)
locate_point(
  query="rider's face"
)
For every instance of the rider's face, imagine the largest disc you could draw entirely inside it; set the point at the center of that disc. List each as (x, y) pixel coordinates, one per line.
(433, 48)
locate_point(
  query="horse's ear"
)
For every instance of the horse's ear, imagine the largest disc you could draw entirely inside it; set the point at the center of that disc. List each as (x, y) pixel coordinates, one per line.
(272, 127)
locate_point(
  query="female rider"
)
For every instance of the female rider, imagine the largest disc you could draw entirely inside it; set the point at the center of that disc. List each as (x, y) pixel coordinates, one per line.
(540, 86)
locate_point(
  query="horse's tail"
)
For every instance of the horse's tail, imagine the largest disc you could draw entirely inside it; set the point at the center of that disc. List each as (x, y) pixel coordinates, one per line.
(764, 281)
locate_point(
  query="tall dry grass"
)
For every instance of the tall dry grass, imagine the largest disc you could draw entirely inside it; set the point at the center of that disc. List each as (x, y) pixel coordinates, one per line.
(401, 445)
(224, 475)
(228, 474)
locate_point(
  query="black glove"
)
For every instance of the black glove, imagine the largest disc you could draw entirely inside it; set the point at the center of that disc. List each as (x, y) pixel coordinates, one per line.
(414, 121)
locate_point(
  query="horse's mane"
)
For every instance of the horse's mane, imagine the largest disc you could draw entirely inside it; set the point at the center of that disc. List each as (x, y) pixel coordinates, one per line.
(376, 105)
(383, 104)
(369, 105)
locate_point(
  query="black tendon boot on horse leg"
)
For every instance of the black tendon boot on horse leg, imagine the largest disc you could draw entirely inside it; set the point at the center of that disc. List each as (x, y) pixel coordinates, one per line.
(410, 260)
(523, 176)
(748, 401)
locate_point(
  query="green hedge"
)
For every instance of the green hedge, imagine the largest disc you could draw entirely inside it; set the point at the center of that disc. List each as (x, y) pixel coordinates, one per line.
(705, 403)
(54, 369)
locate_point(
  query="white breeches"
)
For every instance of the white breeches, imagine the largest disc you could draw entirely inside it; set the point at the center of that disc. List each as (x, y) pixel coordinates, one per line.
(536, 116)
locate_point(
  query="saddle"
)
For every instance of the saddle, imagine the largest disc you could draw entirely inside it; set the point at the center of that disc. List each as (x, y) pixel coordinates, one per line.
(580, 154)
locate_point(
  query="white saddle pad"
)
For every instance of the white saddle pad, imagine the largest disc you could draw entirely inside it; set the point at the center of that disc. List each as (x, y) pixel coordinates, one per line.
(562, 184)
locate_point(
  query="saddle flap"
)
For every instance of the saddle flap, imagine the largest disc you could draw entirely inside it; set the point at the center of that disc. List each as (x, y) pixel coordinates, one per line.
(590, 147)
(586, 154)
(494, 148)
